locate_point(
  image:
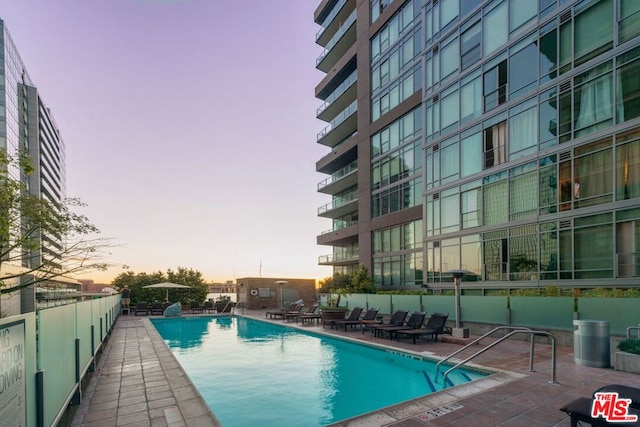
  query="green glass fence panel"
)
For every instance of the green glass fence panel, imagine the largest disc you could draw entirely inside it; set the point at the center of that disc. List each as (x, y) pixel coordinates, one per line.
(18, 369)
(83, 333)
(96, 316)
(620, 312)
(440, 304)
(484, 309)
(354, 300)
(410, 303)
(56, 344)
(381, 302)
(542, 312)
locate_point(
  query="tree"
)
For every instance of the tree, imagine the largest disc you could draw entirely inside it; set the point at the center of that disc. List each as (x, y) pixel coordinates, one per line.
(137, 281)
(342, 284)
(41, 239)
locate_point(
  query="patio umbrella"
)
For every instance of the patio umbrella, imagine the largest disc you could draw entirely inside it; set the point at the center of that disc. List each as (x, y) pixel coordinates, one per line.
(167, 286)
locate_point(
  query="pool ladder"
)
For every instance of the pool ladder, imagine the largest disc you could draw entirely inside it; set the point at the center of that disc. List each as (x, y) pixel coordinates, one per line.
(513, 331)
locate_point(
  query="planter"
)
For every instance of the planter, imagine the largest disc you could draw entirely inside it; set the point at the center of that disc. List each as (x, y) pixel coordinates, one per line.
(329, 315)
(627, 362)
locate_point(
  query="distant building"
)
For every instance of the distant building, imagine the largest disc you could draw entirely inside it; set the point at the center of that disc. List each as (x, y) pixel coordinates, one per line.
(27, 125)
(499, 137)
(271, 293)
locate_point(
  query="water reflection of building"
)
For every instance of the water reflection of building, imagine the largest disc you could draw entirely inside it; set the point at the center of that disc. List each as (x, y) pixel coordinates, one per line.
(516, 123)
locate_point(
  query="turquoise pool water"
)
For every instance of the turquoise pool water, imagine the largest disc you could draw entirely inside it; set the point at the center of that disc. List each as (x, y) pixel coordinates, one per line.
(254, 373)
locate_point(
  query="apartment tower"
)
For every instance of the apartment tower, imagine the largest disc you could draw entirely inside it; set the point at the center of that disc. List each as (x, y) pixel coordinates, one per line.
(497, 137)
(28, 126)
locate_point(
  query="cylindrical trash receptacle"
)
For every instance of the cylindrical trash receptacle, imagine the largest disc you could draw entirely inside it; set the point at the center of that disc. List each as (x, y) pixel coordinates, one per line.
(591, 345)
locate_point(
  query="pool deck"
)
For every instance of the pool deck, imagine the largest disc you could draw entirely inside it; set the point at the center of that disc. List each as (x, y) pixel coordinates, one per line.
(138, 382)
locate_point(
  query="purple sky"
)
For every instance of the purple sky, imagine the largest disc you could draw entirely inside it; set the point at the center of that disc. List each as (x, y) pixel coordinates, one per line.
(189, 125)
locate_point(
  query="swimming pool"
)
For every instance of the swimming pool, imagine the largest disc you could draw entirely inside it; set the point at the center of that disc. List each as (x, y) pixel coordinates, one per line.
(257, 373)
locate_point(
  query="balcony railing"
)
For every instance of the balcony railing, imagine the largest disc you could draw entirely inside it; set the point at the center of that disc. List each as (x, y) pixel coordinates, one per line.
(341, 117)
(339, 227)
(337, 36)
(338, 202)
(330, 17)
(338, 257)
(338, 91)
(339, 174)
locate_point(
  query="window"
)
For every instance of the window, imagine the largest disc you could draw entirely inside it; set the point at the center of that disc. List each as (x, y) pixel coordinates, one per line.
(495, 28)
(471, 93)
(495, 86)
(548, 56)
(494, 203)
(520, 11)
(523, 253)
(523, 133)
(523, 193)
(471, 154)
(594, 250)
(470, 41)
(593, 174)
(495, 145)
(448, 11)
(629, 24)
(522, 71)
(628, 167)
(449, 57)
(593, 31)
(593, 100)
(628, 90)
(450, 109)
(471, 201)
(548, 118)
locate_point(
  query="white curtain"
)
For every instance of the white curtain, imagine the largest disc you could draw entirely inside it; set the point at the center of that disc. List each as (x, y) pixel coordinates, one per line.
(596, 103)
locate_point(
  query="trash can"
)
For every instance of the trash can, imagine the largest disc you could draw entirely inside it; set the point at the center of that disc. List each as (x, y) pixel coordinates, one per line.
(591, 345)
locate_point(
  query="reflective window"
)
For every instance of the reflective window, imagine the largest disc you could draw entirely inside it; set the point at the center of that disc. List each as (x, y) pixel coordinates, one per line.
(495, 29)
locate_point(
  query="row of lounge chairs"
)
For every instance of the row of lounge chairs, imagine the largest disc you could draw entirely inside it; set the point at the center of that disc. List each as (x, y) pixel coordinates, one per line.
(157, 308)
(398, 325)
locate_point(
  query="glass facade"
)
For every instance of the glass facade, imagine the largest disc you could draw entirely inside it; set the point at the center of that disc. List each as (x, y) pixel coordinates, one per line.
(520, 157)
(531, 140)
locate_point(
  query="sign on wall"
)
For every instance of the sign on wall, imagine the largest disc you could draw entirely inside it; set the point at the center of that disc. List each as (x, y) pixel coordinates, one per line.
(12, 375)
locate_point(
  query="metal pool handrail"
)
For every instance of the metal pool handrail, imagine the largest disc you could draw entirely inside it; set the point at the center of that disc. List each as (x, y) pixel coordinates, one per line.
(533, 334)
(512, 328)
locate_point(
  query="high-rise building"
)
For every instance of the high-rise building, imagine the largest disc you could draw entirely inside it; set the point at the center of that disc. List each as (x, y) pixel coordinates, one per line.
(498, 137)
(27, 126)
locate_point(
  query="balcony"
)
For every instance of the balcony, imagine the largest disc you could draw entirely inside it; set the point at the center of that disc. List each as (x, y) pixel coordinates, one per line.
(340, 206)
(341, 41)
(340, 180)
(332, 21)
(339, 258)
(339, 99)
(342, 126)
(341, 235)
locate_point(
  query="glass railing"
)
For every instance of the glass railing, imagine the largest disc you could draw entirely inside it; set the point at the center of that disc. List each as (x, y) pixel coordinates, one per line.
(337, 257)
(339, 227)
(341, 117)
(330, 17)
(337, 175)
(338, 202)
(338, 91)
(337, 36)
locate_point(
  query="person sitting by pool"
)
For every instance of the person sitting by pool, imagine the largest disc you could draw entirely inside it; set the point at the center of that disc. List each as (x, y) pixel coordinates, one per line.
(126, 296)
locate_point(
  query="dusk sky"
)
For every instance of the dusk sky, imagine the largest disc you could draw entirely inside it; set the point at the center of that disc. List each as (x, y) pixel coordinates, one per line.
(189, 126)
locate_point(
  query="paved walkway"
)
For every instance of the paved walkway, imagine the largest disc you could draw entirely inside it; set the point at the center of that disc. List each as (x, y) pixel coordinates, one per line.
(139, 383)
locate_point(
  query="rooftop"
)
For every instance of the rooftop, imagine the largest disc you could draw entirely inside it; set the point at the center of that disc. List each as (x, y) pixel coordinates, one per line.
(138, 382)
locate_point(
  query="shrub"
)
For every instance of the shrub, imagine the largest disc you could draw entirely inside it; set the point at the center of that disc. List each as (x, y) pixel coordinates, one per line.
(630, 345)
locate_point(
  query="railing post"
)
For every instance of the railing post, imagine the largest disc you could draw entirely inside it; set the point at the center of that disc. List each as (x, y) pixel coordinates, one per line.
(40, 398)
(533, 345)
(77, 396)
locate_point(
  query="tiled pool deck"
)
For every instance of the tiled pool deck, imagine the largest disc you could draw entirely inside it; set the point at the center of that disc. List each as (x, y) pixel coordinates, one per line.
(138, 382)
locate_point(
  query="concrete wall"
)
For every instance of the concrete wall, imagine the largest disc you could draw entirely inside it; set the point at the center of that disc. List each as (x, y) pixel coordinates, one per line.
(263, 292)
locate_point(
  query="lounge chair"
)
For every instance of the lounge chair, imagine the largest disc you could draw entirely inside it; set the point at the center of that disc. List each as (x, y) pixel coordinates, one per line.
(397, 319)
(156, 308)
(580, 408)
(195, 307)
(369, 316)
(415, 322)
(280, 312)
(141, 308)
(354, 316)
(303, 311)
(209, 307)
(435, 326)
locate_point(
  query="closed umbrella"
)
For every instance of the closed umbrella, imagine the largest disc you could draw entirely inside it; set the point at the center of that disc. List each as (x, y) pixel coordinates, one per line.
(167, 286)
